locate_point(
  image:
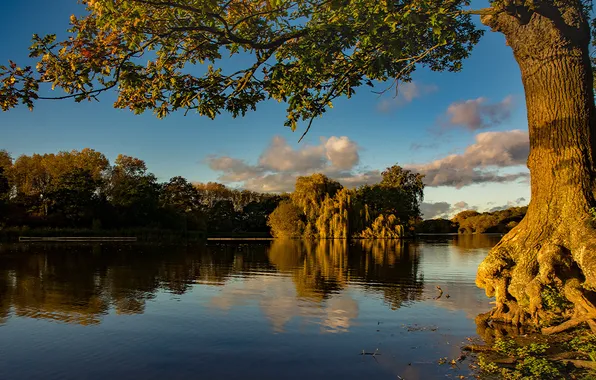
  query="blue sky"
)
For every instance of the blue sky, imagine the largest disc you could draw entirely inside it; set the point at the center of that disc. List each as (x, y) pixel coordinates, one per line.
(412, 130)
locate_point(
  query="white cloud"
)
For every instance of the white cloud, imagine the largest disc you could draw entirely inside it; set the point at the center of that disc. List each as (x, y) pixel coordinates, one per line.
(481, 162)
(280, 156)
(280, 164)
(461, 205)
(342, 152)
(478, 114)
(271, 183)
(443, 210)
(435, 210)
(234, 170)
(406, 93)
(339, 158)
(515, 203)
(353, 180)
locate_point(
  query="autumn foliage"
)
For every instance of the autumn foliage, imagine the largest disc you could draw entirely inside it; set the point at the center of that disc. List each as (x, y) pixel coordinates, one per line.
(82, 190)
(322, 208)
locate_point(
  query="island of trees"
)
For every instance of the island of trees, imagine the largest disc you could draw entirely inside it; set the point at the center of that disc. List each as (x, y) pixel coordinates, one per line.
(321, 207)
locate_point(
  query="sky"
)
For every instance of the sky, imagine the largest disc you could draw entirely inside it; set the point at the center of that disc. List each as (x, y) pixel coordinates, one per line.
(466, 131)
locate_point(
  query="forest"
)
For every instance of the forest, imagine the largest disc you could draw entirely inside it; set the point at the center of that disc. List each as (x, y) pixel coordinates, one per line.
(82, 190)
(473, 222)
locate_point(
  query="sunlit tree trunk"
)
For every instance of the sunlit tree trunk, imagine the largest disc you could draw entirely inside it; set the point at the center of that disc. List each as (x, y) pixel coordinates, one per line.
(554, 247)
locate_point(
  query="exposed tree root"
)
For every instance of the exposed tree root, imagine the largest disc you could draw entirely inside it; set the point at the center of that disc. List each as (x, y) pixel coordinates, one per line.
(490, 331)
(581, 363)
(568, 324)
(564, 356)
(478, 348)
(532, 355)
(504, 361)
(543, 278)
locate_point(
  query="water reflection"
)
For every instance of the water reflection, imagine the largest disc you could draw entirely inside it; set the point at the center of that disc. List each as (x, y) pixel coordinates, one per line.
(322, 268)
(464, 242)
(80, 284)
(296, 308)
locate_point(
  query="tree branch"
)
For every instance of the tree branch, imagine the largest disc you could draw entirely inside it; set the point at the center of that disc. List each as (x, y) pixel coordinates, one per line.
(116, 79)
(228, 33)
(170, 4)
(482, 12)
(412, 62)
(257, 14)
(326, 99)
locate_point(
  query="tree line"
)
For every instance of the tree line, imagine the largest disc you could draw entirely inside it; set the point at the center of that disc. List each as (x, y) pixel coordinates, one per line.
(473, 222)
(83, 190)
(322, 208)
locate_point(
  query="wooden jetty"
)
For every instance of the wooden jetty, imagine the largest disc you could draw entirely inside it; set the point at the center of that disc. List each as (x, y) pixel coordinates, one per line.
(239, 239)
(75, 238)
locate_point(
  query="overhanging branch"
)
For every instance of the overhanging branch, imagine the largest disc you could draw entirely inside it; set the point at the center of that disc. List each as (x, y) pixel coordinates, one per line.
(482, 12)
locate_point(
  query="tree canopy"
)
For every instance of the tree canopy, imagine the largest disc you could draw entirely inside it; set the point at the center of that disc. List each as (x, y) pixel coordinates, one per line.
(471, 221)
(321, 208)
(285, 221)
(167, 55)
(83, 190)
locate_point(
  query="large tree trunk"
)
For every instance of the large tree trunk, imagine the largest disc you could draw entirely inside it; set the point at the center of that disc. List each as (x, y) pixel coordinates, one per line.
(552, 252)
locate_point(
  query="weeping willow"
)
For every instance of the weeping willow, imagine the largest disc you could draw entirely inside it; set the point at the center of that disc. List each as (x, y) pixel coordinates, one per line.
(340, 216)
(335, 215)
(320, 208)
(384, 227)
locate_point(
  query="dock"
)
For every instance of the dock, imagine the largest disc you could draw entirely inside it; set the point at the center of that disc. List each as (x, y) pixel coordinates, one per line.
(239, 239)
(76, 238)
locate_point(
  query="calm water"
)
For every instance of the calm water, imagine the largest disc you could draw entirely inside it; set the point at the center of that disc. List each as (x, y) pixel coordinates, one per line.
(280, 310)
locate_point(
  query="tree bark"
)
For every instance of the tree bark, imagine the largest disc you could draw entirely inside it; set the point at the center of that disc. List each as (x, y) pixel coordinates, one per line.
(552, 252)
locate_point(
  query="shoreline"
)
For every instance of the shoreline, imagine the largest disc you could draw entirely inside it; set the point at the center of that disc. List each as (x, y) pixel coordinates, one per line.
(12, 235)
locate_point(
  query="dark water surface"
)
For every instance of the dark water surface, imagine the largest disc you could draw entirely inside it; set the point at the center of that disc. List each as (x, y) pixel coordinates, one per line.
(278, 310)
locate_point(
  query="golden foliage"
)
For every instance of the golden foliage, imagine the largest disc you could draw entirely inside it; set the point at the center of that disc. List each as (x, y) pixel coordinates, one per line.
(328, 211)
(285, 221)
(384, 227)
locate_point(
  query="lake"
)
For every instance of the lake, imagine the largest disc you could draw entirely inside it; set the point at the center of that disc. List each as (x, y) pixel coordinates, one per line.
(266, 310)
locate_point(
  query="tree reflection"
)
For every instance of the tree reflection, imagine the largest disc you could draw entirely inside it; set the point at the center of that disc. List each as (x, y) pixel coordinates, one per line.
(390, 267)
(318, 268)
(490, 331)
(323, 267)
(82, 283)
(61, 287)
(5, 297)
(466, 242)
